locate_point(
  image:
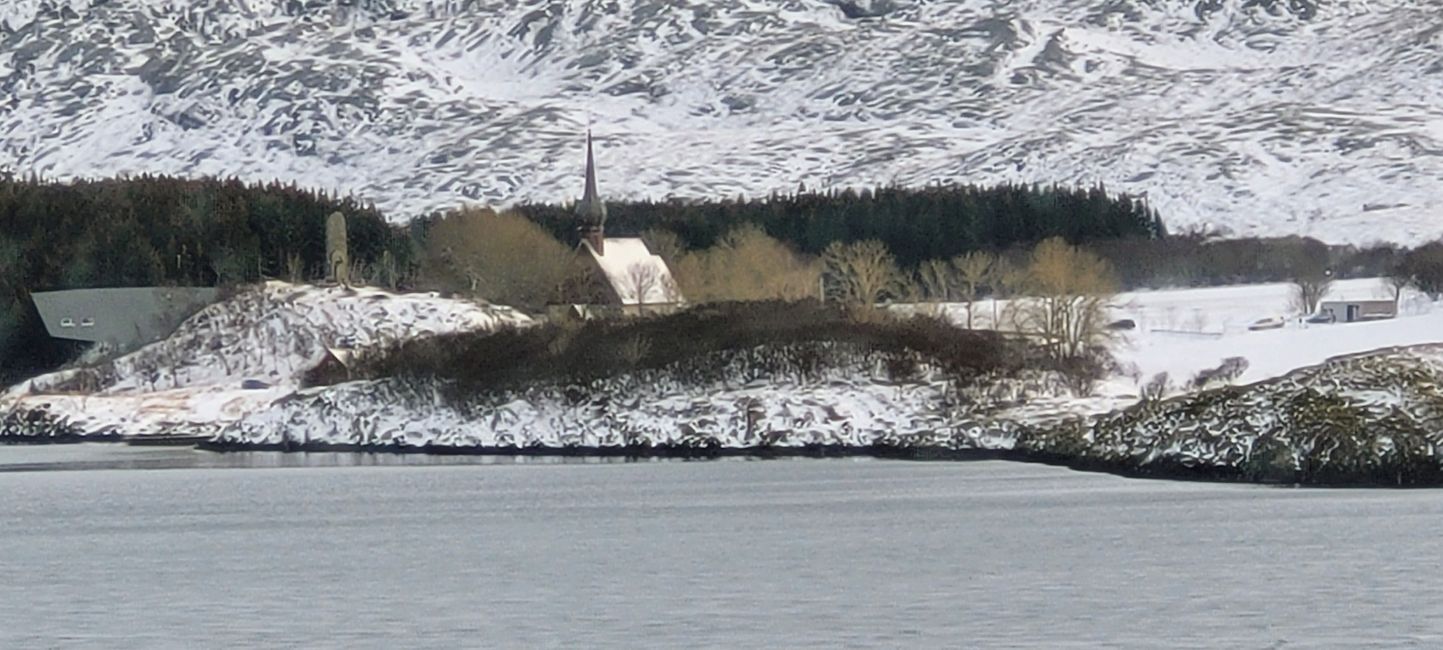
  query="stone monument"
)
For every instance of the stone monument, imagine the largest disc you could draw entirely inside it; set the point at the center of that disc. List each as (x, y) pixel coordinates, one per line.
(338, 262)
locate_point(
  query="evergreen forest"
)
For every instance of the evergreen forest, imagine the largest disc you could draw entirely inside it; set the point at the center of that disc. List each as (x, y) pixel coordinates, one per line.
(151, 230)
(157, 230)
(935, 222)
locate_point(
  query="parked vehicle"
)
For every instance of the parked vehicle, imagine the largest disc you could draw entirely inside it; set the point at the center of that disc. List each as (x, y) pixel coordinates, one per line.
(1266, 324)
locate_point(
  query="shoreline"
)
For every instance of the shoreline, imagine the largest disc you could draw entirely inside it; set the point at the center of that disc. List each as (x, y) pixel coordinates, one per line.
(1158, 470)
(819, 451)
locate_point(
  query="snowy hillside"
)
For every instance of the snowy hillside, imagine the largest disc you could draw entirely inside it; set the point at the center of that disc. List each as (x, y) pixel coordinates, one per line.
(270, 336)
(1372, 418)
(853, 404)
(1376, 417)
(1313, 117)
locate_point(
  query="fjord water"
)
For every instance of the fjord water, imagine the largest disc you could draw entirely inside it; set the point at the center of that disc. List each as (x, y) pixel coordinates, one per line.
(801, 553)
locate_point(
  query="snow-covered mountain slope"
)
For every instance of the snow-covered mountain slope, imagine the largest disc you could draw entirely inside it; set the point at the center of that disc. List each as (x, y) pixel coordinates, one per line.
(1313, 117)
(195, 379)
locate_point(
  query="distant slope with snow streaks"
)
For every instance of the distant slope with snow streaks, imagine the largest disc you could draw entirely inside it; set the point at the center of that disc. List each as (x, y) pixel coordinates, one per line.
(1312, 117)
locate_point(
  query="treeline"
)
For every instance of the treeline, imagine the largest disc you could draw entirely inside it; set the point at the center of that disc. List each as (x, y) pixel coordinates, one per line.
(1195, 260)
(163, 231)
(954, 243)
(935, 222)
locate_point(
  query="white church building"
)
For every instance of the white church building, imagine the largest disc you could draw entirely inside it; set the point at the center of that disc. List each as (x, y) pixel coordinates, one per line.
(626, 277)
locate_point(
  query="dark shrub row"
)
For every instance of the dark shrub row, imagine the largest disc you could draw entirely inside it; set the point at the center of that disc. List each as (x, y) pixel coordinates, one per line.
(582, 352)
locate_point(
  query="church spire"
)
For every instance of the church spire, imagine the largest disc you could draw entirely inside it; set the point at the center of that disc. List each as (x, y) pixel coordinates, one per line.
(591, 210)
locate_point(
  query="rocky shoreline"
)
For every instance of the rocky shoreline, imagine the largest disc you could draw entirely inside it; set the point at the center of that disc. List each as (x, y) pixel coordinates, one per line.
(1160, 469)
(1371, 420)
(927, 453)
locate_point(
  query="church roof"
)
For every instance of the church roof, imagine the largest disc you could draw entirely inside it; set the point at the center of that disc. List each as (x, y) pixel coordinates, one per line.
(630, 268)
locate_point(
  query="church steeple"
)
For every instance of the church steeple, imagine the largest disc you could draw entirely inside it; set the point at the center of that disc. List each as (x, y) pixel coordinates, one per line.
(591, 211)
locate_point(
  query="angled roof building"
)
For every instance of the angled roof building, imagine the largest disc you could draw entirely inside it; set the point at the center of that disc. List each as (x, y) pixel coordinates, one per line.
(624, 272)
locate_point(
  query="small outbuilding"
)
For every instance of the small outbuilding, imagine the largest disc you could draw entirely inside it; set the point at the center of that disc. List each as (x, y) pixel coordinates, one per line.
(1351, 311)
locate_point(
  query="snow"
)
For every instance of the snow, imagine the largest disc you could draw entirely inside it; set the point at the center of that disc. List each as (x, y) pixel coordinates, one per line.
(854, 404)
(275, 333)
(1181, 332)
(1184, 331)
(637, 276)
(1339, 422)
(1253, 122)
(189, 383)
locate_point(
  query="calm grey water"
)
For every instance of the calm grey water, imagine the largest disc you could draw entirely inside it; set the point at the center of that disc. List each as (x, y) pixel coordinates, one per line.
(703, 554)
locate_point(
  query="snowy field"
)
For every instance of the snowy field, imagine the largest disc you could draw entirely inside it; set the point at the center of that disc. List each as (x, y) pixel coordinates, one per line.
(1184, 331)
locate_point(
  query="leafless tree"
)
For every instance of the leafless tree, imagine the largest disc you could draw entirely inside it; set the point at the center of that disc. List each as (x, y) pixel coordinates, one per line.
(1157, 388)
(664, 244)
(1069, 289)
(641, 280)
(746, 264)
(1398, 280)
(1309, 288)
(1008, 281)
(936, 279)
(973, 271)
(860, 272)
(295, 268)
(503, 258)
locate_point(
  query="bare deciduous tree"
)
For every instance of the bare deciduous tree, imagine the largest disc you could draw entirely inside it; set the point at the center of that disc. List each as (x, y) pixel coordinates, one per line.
(1424, 265)
(295, 268)
(746, 264)
(1069, 289)
(1309, 288)
(974, 270)
(664, 244)
(936, 280)
(1398, 280)
(861, 272)
(1008, 280)
(643, 281)
(1156, 388)
(1229, 370)
(503, 258)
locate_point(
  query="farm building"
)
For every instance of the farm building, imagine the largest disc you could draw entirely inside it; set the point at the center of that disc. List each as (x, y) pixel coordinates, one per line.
(1349, 311)
(126, 318)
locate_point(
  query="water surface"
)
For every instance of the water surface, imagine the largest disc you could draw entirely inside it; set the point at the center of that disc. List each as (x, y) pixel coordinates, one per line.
(347, 551)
